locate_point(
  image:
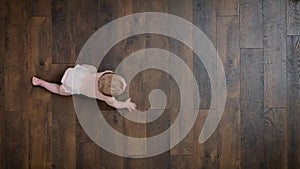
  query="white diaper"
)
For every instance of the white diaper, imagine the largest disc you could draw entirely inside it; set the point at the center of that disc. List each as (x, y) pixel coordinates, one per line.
(72, 78)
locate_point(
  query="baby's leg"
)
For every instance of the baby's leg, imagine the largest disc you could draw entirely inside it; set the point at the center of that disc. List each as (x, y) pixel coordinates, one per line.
(52, 87)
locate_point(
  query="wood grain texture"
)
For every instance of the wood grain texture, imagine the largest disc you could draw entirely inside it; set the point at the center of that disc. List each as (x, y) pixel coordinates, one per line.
(111, 161)
(17, 16)
(204, 17)
(86, 22)
(182, 162)
(227, 7)
(62, 27)
(251, 32)
(132, 163)
(260, 125)
(88, 155)
(2, 140)
(15, 147)
(229, 133)
(153, 78)
(293, 86)
(2, 51)
(91, 155)
(15, 97)
(38, 52)
(40, 7)
(252, 121)
(275, 138)
(153, 129)
(107, 159)
(206, 154)
(159, 161)
(293, 17)
(63, 125)
(182, 9)
(14, 60)
(135, 89)
(274, 53)
(2, 113)
(108, 11)
(3, 9)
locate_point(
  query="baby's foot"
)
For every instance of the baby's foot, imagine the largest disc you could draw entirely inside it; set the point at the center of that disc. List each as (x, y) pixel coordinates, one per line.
(36, 81)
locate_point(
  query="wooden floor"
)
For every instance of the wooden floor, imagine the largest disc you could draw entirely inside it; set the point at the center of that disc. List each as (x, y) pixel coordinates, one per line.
(257, 40)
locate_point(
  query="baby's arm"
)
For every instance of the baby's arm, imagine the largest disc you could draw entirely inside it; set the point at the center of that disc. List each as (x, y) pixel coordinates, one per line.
(120, 104)
(111, 101)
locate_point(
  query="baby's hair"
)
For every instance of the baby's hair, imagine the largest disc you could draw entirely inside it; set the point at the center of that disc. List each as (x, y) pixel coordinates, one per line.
(111, 85)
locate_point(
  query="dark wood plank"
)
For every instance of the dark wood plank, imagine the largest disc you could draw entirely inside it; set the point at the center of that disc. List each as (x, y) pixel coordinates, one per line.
(206, 154)
(17, 15)
(154, 128)
(14, 60)
(62, 28)
(132, 163)
(40, 7)
(274, 53)
(108, 10)
(227, 7)
(2, 51)
(38, 51)
(275, 138)
(251, 32)
(87, 155)
(81, 136)
(154, 79)
(107, 159)
(182, 9)
(63, 125)
(90, 155)
(182, 162)
(111, 161)
(2, 140)
(15, 148)
(159, 161)
(2, 113)
(293, 17)
(186, 146)
(204, 17)
(87, 152)
(229, 132)
(293, 86)
(86, 22)
(3, 9)
(252, 122)
(14, 95)
(135, 90)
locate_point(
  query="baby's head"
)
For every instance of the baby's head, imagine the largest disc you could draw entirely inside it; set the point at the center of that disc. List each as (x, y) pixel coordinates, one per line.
(111, 85)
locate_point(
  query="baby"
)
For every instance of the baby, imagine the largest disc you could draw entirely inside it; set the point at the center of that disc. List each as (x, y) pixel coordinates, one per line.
(85, 80)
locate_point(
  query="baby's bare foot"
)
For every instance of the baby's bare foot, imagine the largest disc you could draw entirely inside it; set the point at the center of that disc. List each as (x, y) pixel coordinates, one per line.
(36, 81)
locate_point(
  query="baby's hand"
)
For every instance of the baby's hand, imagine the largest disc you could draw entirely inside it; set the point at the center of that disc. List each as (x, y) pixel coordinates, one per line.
(130, 105)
